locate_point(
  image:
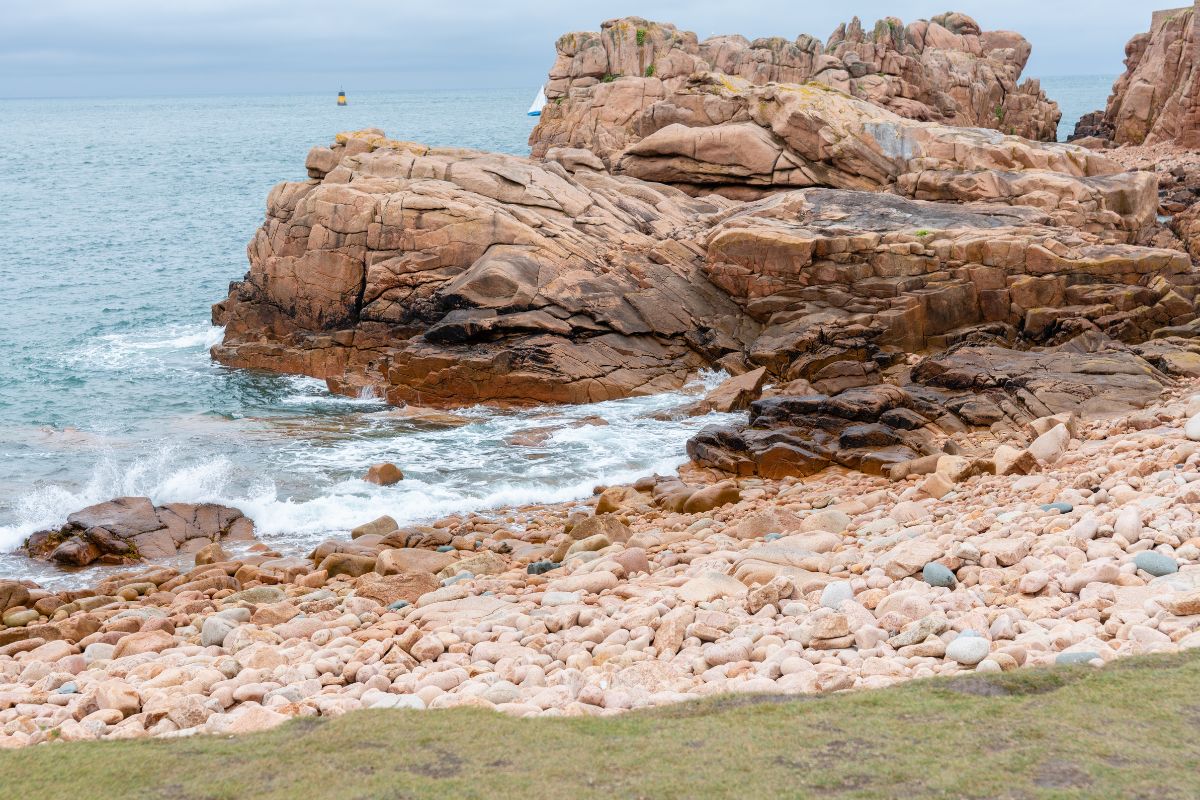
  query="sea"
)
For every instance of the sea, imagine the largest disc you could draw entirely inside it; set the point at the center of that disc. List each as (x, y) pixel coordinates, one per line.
(124, 219)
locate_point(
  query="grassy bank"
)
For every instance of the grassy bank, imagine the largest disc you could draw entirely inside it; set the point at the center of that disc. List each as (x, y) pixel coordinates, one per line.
(1129, 730)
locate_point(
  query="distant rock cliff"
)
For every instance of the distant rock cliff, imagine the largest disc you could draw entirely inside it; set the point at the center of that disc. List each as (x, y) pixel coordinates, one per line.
(1157, 98)
(608, 90)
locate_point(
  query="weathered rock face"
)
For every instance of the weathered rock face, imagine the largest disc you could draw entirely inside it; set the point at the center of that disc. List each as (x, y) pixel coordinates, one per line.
(878, 427)
(821, 266)
(608, 90)
(1157, 98)
(456, 277)
(791, 136)
(132, 529)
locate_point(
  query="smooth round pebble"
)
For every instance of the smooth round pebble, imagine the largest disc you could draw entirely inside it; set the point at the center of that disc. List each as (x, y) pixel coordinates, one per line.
(1192, 429)
(1155, 563)
(1084, 657)
(968, 650)
(835, 593)
(936, 574)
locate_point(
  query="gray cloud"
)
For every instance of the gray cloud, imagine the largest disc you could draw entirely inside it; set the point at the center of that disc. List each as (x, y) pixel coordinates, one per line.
(115, 47)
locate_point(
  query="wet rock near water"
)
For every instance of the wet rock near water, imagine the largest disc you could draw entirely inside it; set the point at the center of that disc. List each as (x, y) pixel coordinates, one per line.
(451, 277)
(904, 427)
(131, 529)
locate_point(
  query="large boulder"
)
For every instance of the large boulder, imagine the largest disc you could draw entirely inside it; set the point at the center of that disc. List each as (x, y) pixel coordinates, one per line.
(824, 259)
(132, 529)
(492, 278)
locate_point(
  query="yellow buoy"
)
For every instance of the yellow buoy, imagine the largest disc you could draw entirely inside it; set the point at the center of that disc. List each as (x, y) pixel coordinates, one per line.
(341, 98)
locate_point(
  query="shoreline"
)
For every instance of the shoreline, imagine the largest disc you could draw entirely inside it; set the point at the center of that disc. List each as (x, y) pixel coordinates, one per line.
(799, 586)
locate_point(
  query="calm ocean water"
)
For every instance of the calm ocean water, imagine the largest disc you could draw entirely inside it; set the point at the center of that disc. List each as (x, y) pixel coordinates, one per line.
(125, 219)
(1076, 95)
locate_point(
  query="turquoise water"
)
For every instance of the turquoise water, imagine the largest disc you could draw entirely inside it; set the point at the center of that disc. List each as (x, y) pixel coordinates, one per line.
(124, 220)
(1077, 95)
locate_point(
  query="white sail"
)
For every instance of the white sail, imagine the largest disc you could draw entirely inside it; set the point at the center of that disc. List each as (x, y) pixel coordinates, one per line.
(535, 110)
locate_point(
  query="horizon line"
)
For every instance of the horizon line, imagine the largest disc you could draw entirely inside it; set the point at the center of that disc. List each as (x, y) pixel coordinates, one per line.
(313, 92)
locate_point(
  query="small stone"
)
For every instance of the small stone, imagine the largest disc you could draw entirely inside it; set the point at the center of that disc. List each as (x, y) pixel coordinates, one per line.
(1083, 657)
(829, 520)
(835, 593)
(919, 631)
(147, 642)
(711, 585)
(937, 485)
(257, 595)
(384, 474)
(20, 617)
(968, 650)
(833, 626)
(542, 567)
(388, 589)
(1051, 445)
(936, 574)
(215, 630)
(211, 554)
(1060, 507)
(711, 497)
(380, 526)
(1192, 429)
(1013, 461)
(1155, 563)
(553, 599)
(1183, 605)
(1033, 582)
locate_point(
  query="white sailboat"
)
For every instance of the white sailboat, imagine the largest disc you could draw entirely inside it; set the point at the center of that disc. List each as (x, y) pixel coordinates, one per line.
(539, 102)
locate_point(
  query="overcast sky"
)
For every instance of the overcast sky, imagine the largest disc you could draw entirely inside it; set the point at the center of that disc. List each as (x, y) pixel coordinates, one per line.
(135, 47)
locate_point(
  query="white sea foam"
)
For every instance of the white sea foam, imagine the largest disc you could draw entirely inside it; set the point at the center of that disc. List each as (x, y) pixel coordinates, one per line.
(309, 486)
(116, 350)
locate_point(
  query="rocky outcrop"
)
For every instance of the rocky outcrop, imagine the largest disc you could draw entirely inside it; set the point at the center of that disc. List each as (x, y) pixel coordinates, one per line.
(454, 277)
(791, 136)
(819, 265)
(909, 415)
(608, 90)
(132, 529)
(1157, 98)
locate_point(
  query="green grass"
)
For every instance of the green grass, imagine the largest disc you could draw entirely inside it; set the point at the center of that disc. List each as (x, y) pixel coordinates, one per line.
(1129, 730)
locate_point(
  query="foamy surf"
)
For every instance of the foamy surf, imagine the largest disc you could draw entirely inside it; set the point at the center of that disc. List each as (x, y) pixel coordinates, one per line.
(299, 478)
(115, 350)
